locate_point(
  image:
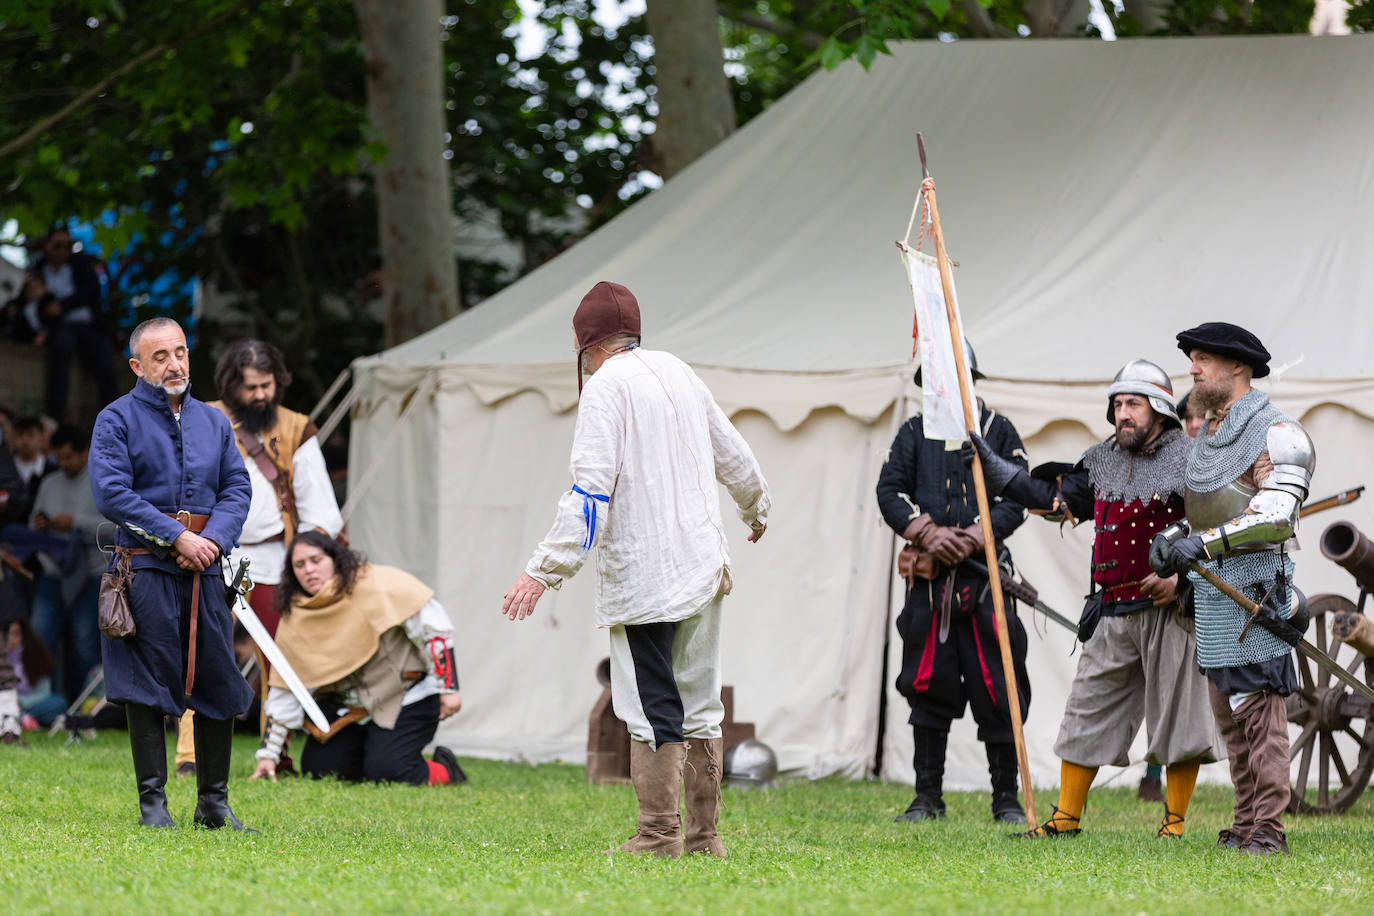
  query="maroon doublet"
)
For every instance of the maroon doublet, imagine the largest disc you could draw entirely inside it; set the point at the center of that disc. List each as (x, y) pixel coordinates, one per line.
(1123, 531)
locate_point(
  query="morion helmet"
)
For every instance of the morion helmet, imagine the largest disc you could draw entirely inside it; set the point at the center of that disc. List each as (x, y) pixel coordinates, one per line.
(1142, 377)
(751, 764)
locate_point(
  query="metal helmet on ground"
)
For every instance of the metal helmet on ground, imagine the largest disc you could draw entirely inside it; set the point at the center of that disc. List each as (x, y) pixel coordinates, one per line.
(751, 764)
(969, 357)
(1142, 377)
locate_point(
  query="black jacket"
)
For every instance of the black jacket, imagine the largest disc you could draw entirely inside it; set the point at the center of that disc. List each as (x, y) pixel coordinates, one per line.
(920, 476)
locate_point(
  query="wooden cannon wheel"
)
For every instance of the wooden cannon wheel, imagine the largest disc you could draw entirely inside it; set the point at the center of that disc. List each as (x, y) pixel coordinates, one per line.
(1336, 726)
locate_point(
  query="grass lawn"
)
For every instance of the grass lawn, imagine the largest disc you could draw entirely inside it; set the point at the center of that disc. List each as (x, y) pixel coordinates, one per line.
(528, 839)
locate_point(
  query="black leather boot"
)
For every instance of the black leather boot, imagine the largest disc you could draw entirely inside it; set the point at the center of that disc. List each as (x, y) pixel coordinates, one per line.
(929, 761)
(214, 740)
(148, 739)
(1006, 808)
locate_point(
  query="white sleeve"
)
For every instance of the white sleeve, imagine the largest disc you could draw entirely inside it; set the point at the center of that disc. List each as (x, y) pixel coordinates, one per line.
(429, 621)
(597, 450)
(736, 467)
(315, 503)
(431, 630)
(282, 706)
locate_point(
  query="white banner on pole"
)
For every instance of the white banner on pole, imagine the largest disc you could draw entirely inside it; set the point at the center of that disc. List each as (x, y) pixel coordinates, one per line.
(942, 409)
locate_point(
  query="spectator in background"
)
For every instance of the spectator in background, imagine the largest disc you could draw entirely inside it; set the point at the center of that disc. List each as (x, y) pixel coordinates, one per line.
(6, 424)
(30, 460)
(75, 280)
(65, 605)
(29, 316)
(32, 665)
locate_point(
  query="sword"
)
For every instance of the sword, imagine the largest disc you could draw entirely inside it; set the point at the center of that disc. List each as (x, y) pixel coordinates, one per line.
(272, 652)
(1324, 661)
(1024, 591)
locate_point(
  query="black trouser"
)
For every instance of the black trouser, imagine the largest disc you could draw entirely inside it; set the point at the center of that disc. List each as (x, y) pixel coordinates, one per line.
(370, 752)
(939, 678)
(90, 343)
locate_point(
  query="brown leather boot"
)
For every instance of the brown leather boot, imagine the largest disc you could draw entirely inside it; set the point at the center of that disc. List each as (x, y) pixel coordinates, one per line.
(657, 778)
(702, 773)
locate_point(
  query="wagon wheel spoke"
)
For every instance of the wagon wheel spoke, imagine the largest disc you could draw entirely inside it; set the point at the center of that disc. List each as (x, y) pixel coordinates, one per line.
(1339, 762)
(1356, 662)
(1321, 634)
(1305, 670)
(1324, 770)
(1304, 769)
(1359, 739)
(1304, 739)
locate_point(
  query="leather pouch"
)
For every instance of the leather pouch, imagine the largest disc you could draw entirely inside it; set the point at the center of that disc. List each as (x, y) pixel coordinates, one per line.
(116, 618)
(913, 563)
(1092, 613)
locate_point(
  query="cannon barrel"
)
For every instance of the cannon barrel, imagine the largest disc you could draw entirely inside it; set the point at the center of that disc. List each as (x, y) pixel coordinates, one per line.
(1348, 547)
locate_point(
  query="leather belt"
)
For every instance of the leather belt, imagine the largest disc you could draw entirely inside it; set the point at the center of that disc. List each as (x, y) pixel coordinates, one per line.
(195, 524)
(279, 536)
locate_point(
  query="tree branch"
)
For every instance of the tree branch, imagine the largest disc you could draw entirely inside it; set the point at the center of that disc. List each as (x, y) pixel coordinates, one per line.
(764, 24)
(980, 21)
(37, 130)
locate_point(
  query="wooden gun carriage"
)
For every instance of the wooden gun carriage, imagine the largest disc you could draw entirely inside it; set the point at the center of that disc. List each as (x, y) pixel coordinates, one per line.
(1334, 749)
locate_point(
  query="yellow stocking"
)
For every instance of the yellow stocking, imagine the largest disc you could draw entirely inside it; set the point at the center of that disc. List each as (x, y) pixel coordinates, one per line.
(1178, 792)
(1074, 782)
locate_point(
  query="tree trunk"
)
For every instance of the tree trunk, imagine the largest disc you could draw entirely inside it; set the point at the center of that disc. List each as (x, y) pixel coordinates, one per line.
(695, 109)
(405, 102)
(1149, 13)
(1054, 18)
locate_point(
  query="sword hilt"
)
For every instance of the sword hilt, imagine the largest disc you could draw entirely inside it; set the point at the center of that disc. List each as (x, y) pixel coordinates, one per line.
(240, 577)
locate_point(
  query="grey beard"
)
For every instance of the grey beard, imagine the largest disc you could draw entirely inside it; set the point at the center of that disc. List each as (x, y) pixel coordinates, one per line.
(1208, 396)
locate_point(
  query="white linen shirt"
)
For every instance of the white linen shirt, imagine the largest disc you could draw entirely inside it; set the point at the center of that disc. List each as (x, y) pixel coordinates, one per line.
(651, 437)
(315, 505)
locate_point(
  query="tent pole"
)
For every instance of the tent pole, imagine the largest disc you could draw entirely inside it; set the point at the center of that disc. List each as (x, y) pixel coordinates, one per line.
(329, 393)
(956, 334)
(898, 418)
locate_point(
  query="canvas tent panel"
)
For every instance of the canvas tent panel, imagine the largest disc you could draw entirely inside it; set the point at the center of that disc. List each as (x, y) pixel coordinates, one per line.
(800, 637)
(1100, 197)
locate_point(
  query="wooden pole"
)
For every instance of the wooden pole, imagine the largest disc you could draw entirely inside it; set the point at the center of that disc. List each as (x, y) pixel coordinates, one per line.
(980, 488)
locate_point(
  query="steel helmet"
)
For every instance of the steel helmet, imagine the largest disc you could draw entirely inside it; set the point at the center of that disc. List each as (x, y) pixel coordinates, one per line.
(751, 764)
(1142, 377)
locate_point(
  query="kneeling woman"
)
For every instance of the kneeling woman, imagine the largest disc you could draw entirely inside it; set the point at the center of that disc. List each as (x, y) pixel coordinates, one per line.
(376, 651)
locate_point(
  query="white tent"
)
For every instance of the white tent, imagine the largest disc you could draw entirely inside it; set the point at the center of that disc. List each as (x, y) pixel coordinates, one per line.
(1101, 197)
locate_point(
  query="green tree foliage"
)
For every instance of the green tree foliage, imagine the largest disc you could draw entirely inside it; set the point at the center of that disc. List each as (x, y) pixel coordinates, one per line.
(236, 147)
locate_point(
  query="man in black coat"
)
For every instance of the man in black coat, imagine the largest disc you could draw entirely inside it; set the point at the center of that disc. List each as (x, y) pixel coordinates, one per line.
(74, 279)
(950, 654)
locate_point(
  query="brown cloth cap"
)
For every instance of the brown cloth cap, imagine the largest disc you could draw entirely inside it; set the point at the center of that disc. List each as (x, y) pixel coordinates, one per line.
(608, 309)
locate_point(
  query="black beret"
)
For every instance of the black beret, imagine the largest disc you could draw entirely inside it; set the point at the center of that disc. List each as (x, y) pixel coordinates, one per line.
(1228, 340)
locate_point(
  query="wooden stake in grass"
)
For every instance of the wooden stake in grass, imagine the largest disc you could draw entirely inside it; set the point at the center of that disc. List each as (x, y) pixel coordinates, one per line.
(956, 335)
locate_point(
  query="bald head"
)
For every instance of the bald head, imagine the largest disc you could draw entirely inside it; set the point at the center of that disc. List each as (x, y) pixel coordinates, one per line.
(160, 357)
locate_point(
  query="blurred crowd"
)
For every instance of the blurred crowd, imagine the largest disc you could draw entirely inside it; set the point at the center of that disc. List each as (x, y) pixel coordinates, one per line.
(50, 564)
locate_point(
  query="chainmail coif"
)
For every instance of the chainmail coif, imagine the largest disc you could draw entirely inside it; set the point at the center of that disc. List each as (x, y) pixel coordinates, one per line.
(1153, 472)
(1219, 459)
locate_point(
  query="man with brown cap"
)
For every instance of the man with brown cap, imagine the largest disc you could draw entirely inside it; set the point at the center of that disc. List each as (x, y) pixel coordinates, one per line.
(649, 447)
(1248, 474)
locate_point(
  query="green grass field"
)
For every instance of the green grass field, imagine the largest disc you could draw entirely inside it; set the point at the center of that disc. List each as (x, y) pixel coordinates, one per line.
(528, 839)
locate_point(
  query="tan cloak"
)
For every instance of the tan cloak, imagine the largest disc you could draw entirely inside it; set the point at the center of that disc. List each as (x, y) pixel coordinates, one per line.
(327, 637)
